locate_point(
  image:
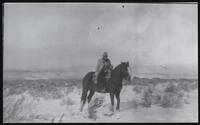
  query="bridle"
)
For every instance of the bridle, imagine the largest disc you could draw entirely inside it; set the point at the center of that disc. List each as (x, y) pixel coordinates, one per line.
(130, 71)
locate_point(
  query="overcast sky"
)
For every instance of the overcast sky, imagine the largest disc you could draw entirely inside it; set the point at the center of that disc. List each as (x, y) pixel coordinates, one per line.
(59, 36)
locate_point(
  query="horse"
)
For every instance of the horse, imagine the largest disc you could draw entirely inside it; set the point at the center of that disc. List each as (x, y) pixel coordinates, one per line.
(113, 85)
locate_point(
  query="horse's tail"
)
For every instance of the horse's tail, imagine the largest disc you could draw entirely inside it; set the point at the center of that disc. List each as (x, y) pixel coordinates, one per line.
(85, 88)
(84, 93)
(83, 97)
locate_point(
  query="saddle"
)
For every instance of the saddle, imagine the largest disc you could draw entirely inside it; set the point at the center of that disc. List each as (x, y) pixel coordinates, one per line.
(107, 76)
(102, 85)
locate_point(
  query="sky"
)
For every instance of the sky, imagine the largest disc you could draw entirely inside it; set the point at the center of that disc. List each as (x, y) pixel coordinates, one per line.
(41, 36)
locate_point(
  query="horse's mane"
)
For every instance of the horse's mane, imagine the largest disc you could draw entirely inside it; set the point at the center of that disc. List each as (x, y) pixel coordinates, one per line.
(114, 71)
(117, 67)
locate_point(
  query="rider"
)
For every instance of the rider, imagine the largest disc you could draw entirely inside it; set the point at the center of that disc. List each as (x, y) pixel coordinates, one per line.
(106, 63)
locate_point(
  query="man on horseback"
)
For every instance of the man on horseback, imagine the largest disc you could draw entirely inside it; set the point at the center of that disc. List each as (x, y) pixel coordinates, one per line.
(103, 63)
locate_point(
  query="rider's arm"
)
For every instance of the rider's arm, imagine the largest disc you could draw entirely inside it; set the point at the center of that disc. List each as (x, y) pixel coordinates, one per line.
(98, 65)
(111, 66)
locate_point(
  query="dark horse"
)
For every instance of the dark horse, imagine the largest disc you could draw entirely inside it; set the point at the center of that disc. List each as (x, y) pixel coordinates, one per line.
(113, 85)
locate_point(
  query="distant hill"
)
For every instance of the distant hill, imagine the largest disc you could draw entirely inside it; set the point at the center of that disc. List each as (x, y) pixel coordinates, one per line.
(167, 72)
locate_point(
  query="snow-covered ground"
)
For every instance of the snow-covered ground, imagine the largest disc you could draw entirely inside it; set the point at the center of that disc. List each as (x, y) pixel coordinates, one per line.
(181, 107)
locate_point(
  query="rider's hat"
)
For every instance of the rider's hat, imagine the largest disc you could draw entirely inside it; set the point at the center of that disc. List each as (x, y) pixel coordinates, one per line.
(105, 54)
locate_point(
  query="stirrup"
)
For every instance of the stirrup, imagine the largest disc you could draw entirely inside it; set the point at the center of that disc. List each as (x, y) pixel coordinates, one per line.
(95, 81)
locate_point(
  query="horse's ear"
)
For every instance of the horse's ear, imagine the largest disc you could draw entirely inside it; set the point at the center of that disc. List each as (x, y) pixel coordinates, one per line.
(127, 63)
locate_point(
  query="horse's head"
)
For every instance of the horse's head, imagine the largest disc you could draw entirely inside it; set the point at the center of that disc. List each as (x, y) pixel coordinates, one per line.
(124, 71)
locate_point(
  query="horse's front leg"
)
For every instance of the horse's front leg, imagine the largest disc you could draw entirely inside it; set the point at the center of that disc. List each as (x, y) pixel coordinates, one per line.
(112, 101)
(117, 95)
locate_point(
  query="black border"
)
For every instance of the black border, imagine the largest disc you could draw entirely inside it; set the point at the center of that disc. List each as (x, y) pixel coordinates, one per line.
(89, 1)
(1, 114)
(110, 1)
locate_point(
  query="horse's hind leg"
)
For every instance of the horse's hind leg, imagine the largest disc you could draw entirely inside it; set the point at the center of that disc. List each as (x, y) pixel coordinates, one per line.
(83, 98)
(90, 96)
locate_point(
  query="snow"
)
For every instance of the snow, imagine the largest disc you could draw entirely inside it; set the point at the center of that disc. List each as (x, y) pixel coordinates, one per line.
(66, 109)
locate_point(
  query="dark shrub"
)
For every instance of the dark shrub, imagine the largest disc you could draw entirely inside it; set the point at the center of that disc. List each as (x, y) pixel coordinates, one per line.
(171, 87)
(184, 86)
(147, 97)
(172, 100)
(194, 85)
(136, 80)
(138, 89)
